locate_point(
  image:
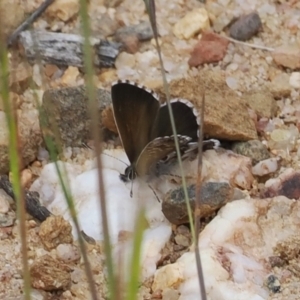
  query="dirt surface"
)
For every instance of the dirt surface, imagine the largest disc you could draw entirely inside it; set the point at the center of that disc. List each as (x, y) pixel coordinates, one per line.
(244, 68)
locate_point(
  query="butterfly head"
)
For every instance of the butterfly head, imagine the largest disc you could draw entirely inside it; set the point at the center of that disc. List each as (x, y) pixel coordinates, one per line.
(128, 175)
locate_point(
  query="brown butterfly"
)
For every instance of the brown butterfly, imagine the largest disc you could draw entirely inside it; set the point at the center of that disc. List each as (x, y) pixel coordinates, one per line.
(145, 129)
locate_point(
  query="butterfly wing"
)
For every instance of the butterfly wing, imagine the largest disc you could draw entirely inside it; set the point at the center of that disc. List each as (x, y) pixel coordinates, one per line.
(135, 109)
(187, 122)
(186, 119)
(156, 150)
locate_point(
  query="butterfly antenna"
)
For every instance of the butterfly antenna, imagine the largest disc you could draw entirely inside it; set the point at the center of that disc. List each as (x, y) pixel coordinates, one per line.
(173, 175)
(131, 190)
(115, 158)
(152, 189)
(87, 146)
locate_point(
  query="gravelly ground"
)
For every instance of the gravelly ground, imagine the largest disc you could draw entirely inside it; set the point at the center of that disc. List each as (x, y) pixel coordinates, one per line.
(245, 68)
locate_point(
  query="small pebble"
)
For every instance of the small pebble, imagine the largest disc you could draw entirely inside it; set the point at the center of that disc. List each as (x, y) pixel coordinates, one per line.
(50, 70)
(182, 229)
(55, 230)
(276, 261)
(68, 252)
(106, 26)
(211, 48)
(170, 294)
(70, 76)
(43, 154)
(131, 43)
(191, 24)
(232, 83)
(282, 139)
(213, 196)
(286, 184)
(295, 80)
(36, 295)
(8, 219)
(26, 178)
(20, 77)
(222, 21)
(142, 31)
(131, 36)
(254, 149)
(182, 240)
(245, 27)
(125, 59)
(238, 194)
(273, 284)
(287, 56)
(36, 75)
(50, 274)
(265, 167)
(4, 202)
(63, 9)
(280, 86)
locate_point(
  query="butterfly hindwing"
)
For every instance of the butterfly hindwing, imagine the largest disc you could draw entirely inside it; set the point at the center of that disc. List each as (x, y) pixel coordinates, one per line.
(185, 116)
(135, 109)
(156, 150)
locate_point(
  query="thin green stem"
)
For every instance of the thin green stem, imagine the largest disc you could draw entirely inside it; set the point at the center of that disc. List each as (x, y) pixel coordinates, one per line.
(135, 267)
(15, 163)
(150, 5)
(89, 70)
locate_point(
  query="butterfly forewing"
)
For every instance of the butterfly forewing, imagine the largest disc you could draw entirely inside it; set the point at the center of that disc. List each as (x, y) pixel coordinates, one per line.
(155, 151)
(185, 117)
(135, 110)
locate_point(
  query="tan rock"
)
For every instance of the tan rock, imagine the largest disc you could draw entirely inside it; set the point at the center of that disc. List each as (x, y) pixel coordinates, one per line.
(12, 13)
(131, 43)
(125, 59)
(4, 204)
(49, 274)
(63, 9)
(54, 231)
(191, 24)
(287, 56)
(108, 119)
(262, 102)
(30, 138)
(168, 276)
(49, 70)
(108, 76)
(295, 80)
(26, 178)
(70, 76)
(20, 77)
(280, 86)
(226, 114)
(67, 116)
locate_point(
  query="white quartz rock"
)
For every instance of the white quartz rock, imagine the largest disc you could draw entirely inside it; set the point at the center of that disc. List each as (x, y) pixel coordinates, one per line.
(235, 247)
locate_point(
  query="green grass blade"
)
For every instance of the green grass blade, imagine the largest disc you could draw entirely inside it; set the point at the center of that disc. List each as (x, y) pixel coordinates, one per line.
(89, 70)
(150, 5)
(15, 162)
(133, 284)
(198, 198)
